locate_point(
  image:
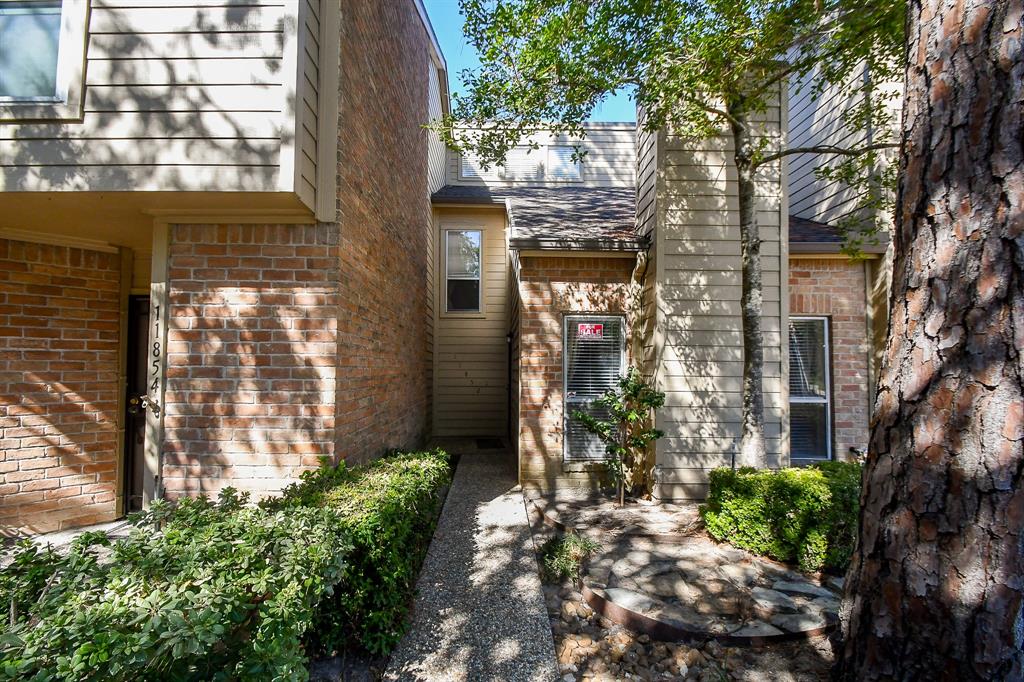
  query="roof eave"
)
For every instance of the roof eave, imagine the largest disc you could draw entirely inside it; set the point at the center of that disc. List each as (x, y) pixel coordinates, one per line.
(537, 244)
(833, 248)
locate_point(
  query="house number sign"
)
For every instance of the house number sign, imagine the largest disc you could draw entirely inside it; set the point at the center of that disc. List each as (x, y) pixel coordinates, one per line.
(156, 361)
(589, 332)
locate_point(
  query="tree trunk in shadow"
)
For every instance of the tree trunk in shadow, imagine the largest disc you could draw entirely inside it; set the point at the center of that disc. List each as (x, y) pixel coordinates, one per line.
(936, 584)
(752, 446)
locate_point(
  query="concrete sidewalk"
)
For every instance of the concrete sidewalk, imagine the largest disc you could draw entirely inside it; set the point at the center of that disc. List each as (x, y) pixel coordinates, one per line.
(479, 611)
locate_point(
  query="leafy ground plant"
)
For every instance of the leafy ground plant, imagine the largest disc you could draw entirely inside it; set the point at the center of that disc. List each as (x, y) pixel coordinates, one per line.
(561, 557)
(226, 590)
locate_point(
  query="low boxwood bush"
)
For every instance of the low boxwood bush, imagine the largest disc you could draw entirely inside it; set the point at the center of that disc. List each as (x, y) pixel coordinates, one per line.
(804, 515)
(225, 590)
(389, 510)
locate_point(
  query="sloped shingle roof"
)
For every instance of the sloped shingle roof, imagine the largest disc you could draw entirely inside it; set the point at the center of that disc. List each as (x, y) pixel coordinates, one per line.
(569, 218)
(811, 236)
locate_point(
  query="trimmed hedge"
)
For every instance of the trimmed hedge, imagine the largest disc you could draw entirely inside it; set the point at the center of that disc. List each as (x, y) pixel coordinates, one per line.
(804, 515)
(225, 590)
(389, 511)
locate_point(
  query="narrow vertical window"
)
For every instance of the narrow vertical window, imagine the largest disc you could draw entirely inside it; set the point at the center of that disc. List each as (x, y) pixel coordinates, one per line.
(810, 399)
(462, 270)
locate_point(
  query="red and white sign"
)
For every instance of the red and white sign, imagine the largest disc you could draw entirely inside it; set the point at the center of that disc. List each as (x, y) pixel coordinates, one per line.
(587, 332)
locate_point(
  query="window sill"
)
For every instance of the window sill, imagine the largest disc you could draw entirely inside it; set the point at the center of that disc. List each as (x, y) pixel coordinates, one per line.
(465, 316)
(40, 111)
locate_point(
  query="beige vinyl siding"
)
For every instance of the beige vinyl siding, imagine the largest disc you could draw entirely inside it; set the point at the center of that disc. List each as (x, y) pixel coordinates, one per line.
(816, 119)
(183, 96)
(698, 338)
(307, 91)
(609, 161)
(437, 153)
(470, 350)
(646, 177)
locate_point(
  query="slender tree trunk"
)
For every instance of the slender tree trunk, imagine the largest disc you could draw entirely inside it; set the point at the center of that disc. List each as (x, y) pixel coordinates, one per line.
(936, 585)
(752, 445)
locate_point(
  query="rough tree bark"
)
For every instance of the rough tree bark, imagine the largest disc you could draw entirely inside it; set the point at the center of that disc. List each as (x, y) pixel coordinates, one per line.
(936, 584)
(752, 450)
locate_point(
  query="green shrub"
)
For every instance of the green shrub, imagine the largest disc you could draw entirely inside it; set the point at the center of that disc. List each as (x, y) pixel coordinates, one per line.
(225, 590)
(562, 556)
(389, 510)
(803, 515)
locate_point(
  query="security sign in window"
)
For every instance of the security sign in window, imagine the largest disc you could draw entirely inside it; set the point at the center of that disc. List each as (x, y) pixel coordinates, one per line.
(587, 332)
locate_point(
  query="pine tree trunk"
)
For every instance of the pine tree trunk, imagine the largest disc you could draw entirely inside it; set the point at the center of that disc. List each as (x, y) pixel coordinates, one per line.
(752, 444)
(936, 585)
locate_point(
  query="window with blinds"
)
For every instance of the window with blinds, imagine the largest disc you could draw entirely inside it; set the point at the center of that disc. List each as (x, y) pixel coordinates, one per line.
(594, 349)
(522, 163)
(471, 167)
(561, 165)
(810, 399)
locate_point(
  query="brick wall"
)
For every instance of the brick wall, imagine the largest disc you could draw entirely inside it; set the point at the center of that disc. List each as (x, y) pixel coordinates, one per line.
(58, 386)
(384, 211)
(550, 288)
(251, 364)
(836, 288)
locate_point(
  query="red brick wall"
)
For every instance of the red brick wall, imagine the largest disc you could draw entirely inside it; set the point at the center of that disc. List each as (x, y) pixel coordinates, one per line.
(551, 288)
(58, 386)
(836, 288)
(384, 211)
(251, 364)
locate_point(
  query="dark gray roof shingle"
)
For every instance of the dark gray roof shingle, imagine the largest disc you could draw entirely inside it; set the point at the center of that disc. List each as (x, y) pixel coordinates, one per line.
(569, 218)
(811, 236)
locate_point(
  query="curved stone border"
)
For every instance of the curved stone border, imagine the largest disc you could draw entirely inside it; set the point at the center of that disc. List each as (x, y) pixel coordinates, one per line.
(659, 629)
(669, 632)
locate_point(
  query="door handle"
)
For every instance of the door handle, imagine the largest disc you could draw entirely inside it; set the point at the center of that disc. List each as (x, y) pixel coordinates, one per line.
(139, 403)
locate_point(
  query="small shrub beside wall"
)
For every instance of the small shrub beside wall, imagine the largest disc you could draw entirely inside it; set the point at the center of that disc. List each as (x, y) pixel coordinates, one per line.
(225, 590)
(802, 515)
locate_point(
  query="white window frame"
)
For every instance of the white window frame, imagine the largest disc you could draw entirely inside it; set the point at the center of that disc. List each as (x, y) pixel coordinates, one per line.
(470, 163)
(827, 400)
(444, 269)
(66, 102)
(568, 319)
(549, 165)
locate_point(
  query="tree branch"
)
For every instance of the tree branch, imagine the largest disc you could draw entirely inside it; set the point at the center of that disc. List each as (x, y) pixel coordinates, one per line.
(827, 149)
(721, 112)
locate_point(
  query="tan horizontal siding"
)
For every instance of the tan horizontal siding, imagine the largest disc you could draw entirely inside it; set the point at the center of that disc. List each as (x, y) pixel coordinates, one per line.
(700, 359)
(471, 352)
(609, 160)
(307, 93)
(182, 97)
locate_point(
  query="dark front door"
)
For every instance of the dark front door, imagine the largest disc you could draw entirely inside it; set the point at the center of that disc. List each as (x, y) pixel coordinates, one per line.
(135, 424)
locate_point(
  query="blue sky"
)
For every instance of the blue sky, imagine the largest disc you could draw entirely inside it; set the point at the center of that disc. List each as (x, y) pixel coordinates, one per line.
(447, 22)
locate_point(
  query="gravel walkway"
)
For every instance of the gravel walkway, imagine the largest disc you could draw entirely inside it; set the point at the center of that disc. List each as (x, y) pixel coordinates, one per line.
(479, 612)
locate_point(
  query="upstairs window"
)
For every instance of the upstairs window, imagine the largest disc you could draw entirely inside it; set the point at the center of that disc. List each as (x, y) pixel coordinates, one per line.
(561, 165)
(810, 394)
(521, 163)
(462, 271)
(471, 167)
(42, 53)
